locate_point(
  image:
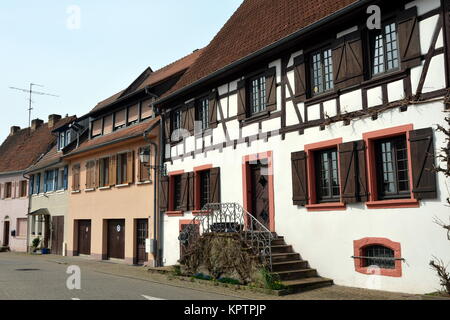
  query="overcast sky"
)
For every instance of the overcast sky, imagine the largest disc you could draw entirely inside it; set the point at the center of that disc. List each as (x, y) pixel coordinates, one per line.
(84, 51)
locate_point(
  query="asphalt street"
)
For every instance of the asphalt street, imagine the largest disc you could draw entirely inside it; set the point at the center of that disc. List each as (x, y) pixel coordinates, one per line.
(25, 277)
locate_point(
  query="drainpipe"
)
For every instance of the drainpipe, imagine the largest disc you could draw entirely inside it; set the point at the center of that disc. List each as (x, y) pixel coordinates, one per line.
(28, 212)
(156, 217)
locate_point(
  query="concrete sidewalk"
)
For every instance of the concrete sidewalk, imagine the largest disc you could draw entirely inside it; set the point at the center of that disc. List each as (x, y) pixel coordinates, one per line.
(142, 273)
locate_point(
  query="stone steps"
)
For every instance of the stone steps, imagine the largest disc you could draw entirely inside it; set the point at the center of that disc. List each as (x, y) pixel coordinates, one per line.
(294, 272)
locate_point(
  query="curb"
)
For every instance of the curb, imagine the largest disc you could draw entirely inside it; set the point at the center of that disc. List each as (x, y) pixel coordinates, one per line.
(271, 292)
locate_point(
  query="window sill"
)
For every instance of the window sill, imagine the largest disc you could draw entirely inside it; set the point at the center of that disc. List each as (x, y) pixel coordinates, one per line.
(75, 191)
(200, 213)
(140, 183)
(392, 204)
(396, 273)
(331, 206)
(256, 118)
(123, 185)
(89, 190)
(175, 213)
(104, 188)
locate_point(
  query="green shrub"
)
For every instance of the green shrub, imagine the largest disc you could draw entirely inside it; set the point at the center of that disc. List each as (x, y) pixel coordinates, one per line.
(229, 281)
(269, 281)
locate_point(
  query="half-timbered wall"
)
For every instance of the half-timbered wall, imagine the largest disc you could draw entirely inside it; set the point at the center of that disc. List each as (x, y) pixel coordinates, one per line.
(411, 97)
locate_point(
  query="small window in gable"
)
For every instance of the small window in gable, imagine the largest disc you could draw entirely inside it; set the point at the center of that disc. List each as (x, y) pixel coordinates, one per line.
(108, 124)
(120, 119)
(97, 128)
(321, 71)
(384, 49)
(146, 110)
(257, 94)
(133, 115)
(202, 113)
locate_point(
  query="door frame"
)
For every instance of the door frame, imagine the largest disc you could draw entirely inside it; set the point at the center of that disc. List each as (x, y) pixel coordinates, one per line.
(6, 233)
(79, 239)
(247, 161)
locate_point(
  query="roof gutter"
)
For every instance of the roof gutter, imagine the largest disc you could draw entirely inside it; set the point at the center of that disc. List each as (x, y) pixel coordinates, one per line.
(268, 48)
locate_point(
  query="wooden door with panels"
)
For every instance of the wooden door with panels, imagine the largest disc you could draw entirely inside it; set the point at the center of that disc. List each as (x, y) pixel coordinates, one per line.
(84, 237)
(116, 239)
(259, 193)
(57, 235)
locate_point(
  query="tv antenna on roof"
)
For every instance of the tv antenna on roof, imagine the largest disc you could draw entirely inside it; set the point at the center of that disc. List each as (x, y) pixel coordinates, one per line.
(30, 101)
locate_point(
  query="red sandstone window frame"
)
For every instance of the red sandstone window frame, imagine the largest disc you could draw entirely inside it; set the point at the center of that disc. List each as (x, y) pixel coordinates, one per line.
(171, 212)
(313, 205)
(370, 138)
(197, 189)
(360, 245)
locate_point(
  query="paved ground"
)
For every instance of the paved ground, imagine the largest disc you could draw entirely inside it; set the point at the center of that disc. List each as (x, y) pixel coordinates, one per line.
(25, 277)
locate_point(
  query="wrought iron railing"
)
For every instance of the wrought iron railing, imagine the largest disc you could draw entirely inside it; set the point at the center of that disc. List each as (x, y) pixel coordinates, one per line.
(230, 218)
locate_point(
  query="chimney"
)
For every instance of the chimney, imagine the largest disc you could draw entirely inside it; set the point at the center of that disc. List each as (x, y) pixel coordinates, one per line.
(36, 123)
(14, 130)
(53, 119)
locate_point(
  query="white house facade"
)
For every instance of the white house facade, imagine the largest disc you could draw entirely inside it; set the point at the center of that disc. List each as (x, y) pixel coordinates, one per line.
(327, 137)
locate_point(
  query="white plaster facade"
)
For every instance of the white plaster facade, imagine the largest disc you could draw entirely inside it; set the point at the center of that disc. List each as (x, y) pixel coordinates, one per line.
(326, 239)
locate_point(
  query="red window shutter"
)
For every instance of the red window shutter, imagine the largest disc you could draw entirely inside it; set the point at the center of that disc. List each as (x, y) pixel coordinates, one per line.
(242, 100)
(215, 185)
(213, 102)
(299, 178)
(271, 89)
(409, 38)
(300, 78)
(164, 193)
(423, 160)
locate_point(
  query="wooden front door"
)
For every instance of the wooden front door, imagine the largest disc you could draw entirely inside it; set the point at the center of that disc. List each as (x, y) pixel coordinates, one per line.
(116, 239)
(141, 236)
(57, 235)
(259, 183)
(6, 234)
(84, 237)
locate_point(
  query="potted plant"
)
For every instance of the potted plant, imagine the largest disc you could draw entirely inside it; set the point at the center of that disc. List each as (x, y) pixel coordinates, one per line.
(35, 244)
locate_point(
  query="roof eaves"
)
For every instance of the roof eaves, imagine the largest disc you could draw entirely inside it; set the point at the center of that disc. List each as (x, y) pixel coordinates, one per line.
(266, 49)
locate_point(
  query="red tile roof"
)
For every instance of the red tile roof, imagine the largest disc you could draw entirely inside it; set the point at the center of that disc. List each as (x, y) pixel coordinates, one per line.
(255, 25)
(156, 77)
(52, 157)
(24, 148)
(120, 135)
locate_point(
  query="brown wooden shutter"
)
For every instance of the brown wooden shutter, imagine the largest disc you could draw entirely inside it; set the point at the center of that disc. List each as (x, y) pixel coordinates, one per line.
(75, 178)
(300, 78)
(363, 193)
(112, 170)
(352, 172)
(214, 193)
(242, 100)
(213, 102)
(184, 118)
(191, 183)
(130, 167)
(423, 160)
(184, 191)
(190, 117)
(348, 61)
(167, 129)
(409, 38)
(299, 178)
(97, 174)
(164, 193)
(88, 175)
(271, 89)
